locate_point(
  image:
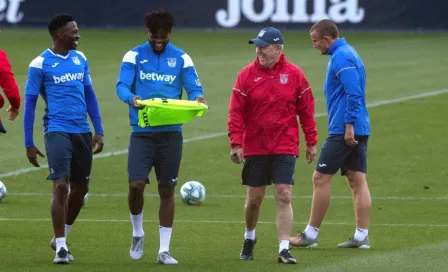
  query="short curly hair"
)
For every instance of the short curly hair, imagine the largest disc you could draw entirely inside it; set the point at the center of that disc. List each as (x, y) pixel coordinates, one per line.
(58, 21)
(159, 20)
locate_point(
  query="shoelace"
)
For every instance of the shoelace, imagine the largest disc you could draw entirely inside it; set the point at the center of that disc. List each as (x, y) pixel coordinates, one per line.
(301, 235)
(248, 246)
(166, 255)
(286, 254)
(136, 244)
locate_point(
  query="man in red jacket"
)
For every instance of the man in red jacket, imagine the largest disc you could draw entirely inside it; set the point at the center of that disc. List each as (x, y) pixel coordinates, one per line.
(10, 88)
(264, 133)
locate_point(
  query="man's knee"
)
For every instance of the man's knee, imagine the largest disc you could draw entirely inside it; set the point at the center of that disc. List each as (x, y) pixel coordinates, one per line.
(166, 192)
(283, 193)
(321, 180)
(255, 196)
(356, 179)
(137, 186)
(60, 186)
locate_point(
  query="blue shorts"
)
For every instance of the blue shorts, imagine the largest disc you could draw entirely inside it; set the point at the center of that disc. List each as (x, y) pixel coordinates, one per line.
(263, 170)
(335, 155)
(161, 150)
(69, 156)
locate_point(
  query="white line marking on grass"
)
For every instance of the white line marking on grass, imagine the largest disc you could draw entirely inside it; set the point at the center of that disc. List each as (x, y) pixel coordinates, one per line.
(220, 222)
(401, 198)
(215, 135)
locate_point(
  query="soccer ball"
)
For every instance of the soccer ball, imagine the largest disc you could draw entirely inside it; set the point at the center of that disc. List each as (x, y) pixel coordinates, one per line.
(2, 191)
(192, 193)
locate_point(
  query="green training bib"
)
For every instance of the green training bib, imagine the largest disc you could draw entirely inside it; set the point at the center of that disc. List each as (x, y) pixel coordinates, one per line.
(161, 111)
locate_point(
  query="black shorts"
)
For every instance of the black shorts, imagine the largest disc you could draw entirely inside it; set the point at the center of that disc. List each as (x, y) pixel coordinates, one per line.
(335, 155)
(264, 170)
(69, 156)
(163, 150)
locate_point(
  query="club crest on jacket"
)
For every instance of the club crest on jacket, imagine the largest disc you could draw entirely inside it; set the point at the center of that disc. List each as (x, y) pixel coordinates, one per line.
(283, 78)
(172, 62)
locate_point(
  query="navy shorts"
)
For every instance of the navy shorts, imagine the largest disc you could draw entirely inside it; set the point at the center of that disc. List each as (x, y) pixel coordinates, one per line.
(69, 156)
(262, 170)
(335, 155)
(161, 150)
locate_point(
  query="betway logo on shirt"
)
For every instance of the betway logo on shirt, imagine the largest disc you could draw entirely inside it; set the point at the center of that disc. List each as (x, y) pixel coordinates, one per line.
(68, 77)
(157, 77)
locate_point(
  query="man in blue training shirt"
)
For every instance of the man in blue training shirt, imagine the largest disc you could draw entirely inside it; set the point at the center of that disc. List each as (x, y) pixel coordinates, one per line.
(346, 145)
(62, 78)
(155, 69)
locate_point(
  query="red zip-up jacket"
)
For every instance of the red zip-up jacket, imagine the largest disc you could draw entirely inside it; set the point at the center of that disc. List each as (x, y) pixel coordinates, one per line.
(264, 106)
(8, 83)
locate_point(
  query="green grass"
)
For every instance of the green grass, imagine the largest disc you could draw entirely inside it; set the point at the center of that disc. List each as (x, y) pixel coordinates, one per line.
(406, 160)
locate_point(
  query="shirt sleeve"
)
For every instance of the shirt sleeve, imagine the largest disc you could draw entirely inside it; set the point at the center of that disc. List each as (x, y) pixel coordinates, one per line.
(93, 108)
(8, 82)
(28, 119)
(35, 77)
(32, 89)
(305, 109)
(348, 74)
(127, 77)
(87, 78)
(237, 108)
(190, 79)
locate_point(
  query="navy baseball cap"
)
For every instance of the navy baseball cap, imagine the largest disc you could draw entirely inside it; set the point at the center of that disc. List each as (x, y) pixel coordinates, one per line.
(268, 36)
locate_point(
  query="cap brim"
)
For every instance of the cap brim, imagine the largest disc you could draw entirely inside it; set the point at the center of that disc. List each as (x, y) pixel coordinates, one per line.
(258, 42)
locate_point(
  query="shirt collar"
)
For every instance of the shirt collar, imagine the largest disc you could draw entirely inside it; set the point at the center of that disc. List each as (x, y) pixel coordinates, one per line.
(338, 43)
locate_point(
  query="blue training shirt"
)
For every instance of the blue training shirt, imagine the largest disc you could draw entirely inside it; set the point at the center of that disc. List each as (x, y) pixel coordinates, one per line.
(150, 75)
(60, 81)
(345, 89)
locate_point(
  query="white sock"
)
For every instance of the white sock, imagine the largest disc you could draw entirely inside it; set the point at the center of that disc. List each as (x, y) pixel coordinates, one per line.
(60, 242)
(284, 244)
(67, 229)
(360, 234)
(311, 232)
(137, 225)
(165, 238)
(249, 234)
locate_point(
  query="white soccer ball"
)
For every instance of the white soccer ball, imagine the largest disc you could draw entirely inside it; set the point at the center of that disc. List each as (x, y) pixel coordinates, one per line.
(2, 191)
(192, 193)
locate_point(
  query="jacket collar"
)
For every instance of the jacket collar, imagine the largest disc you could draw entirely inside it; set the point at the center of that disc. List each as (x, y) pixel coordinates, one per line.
(338, 43)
